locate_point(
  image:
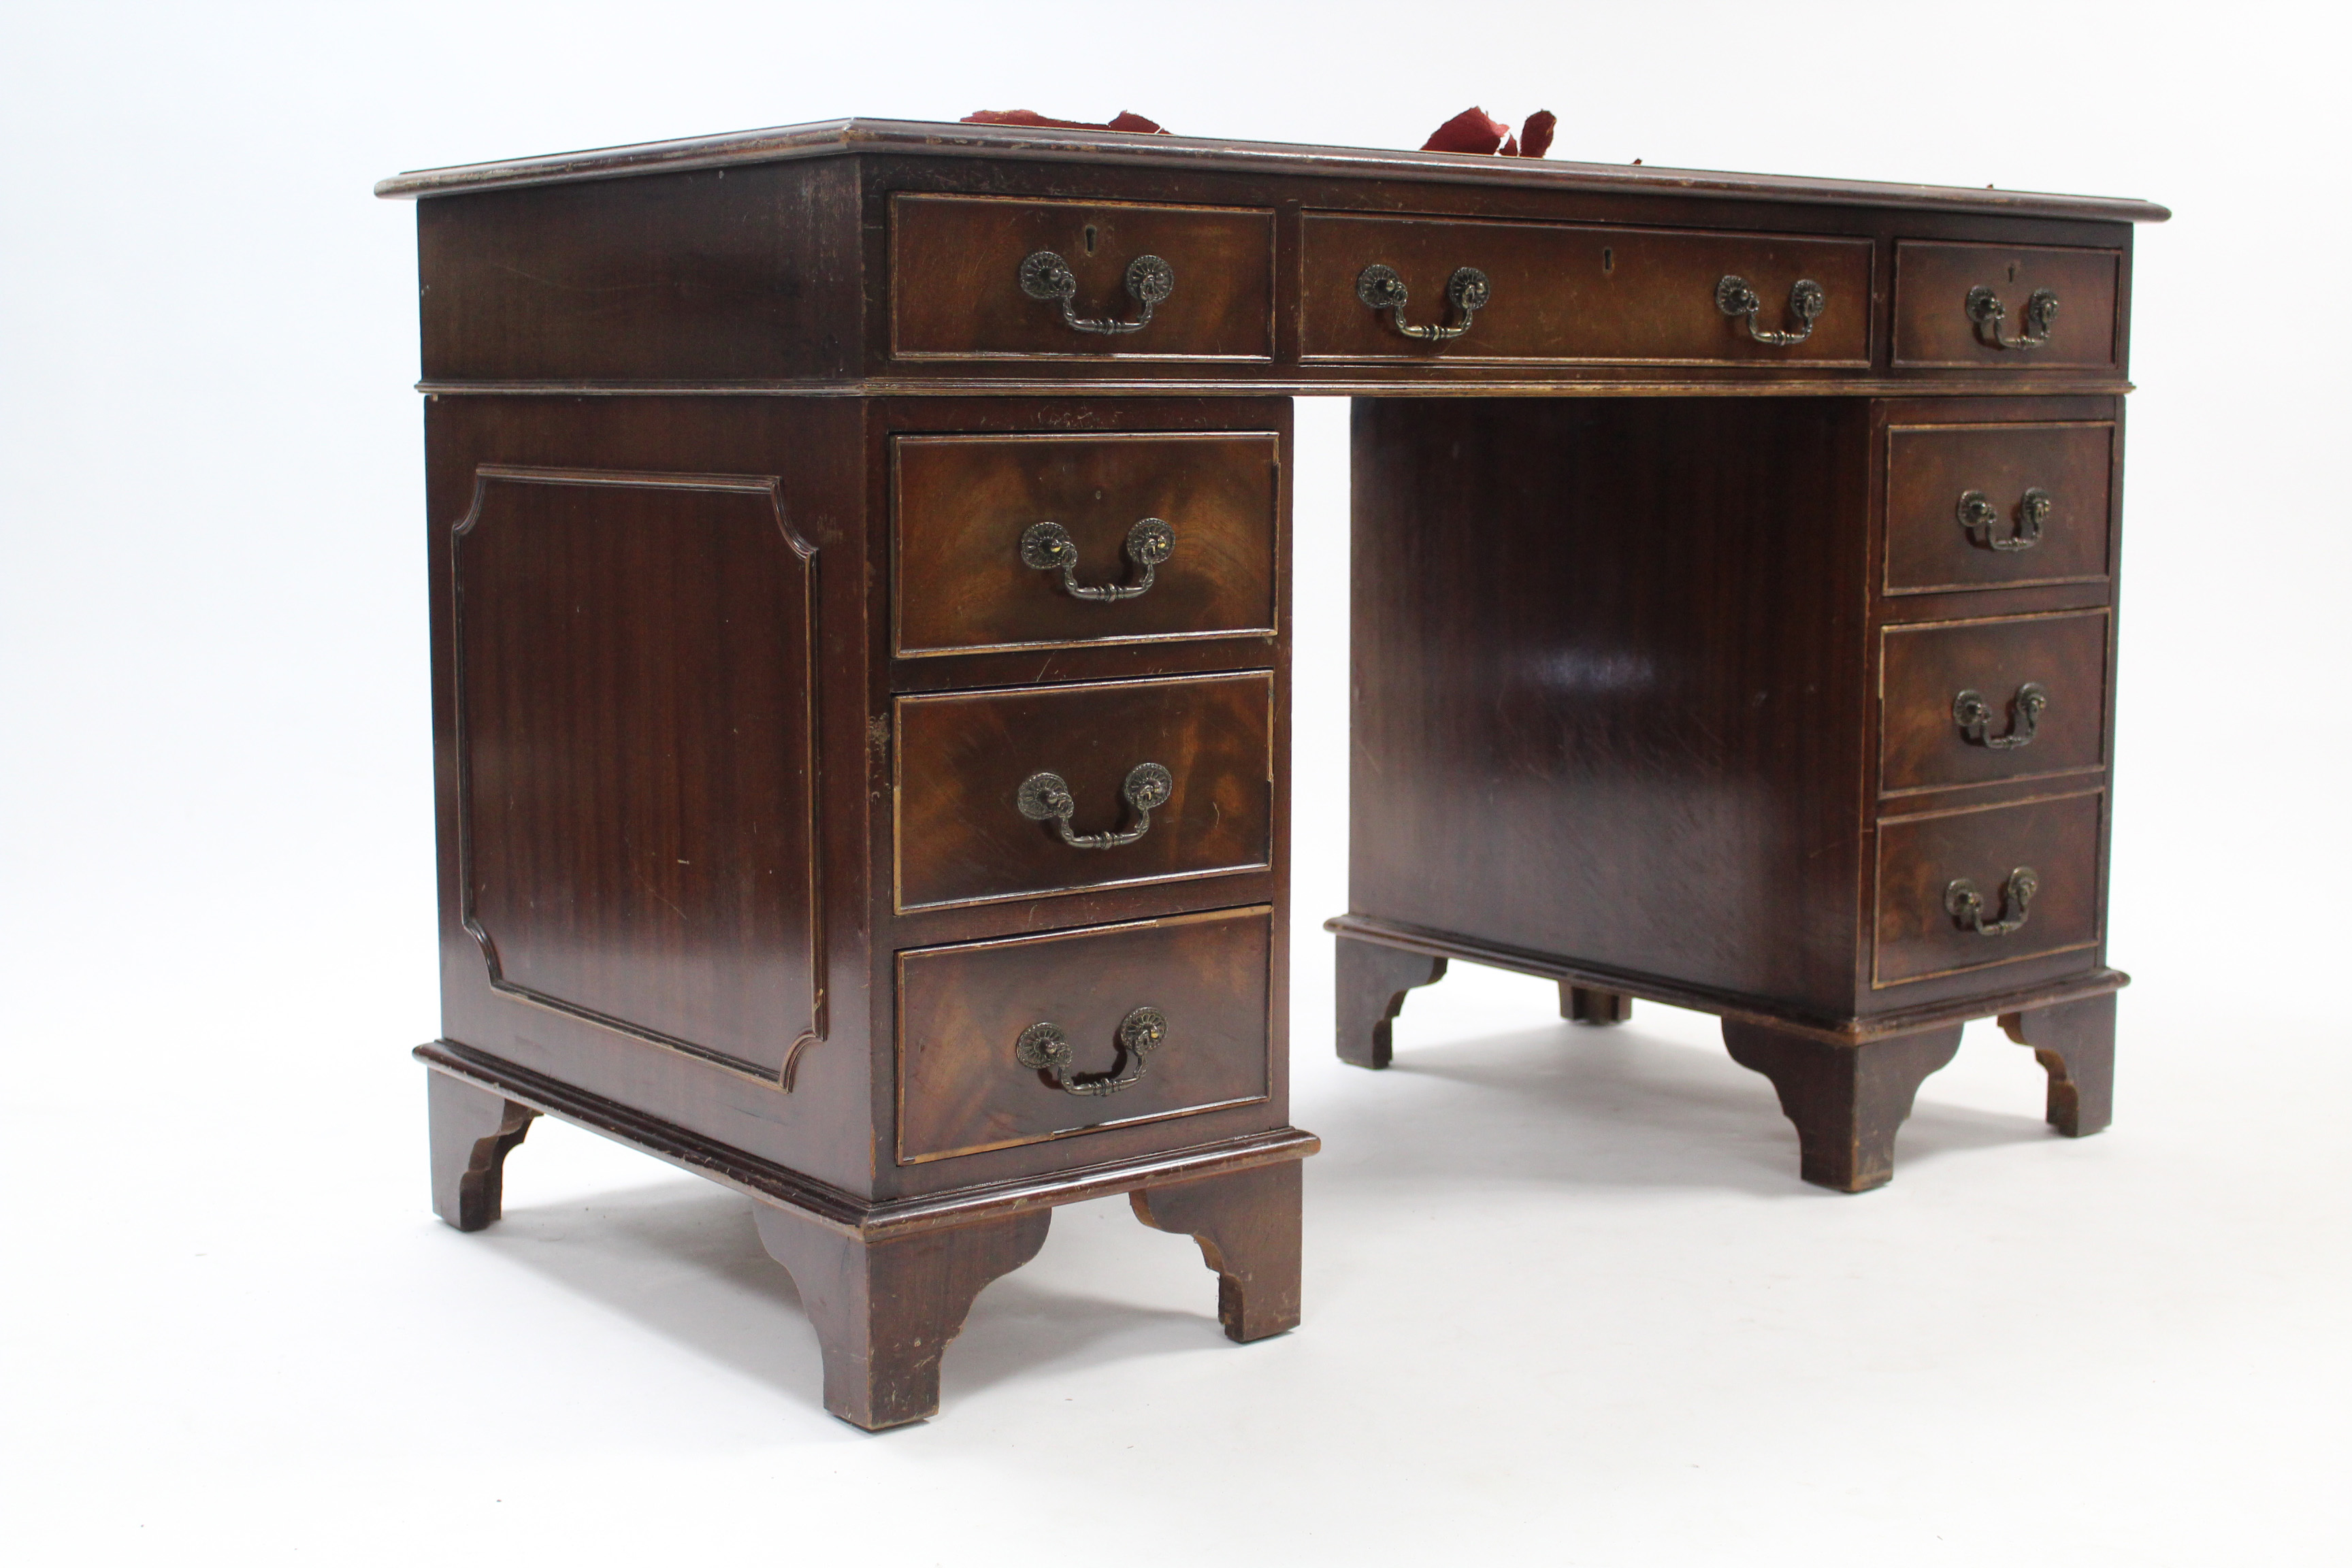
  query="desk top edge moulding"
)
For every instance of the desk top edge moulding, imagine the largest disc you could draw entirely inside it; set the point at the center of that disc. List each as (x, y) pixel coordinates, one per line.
(940, 139)
(861, 573)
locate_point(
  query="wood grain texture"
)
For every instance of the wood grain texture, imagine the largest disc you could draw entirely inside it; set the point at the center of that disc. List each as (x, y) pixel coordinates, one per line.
(1933, 328)
(963, 502)
(1248, 1226)
(1929, 467)
(884, 1311)
(2075, 1044)
(719, 274)
(955, 293)
(961, 759)
(1924, 666)
(1577, 294)
(1847, 1102)
(1918, 856)
(637, 753)
(1373, 980)
(1608, 672)
(1590, 1004)
(472, 1132)
(962, 1010)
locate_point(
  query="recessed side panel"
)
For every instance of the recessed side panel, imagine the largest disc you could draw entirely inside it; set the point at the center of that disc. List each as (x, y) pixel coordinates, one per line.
(637, 755)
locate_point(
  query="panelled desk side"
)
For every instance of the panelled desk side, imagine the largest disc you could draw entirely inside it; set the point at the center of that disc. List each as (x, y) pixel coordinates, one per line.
(743, 642)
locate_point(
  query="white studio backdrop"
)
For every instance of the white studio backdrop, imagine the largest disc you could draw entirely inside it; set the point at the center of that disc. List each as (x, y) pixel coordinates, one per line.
(228, 1331)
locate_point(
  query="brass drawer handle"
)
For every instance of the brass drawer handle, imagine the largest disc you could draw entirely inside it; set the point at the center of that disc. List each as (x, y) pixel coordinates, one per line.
(1988, 313)
(1046, 275)
(1048, 547)
(1467, 291)
(1973, 715)
(1979, 517)
(1045, 797)
(1043, 1048)
(1965, 905)
(1734, 298)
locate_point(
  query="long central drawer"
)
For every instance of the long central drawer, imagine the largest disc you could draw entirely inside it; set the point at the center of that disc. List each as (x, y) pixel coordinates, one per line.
(1582, 294)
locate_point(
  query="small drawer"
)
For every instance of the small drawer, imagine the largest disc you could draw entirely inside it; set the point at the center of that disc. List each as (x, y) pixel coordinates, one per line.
(1927, 866)
(1585, 294)
(1997, 506)
(967, 1016)
(1977, 701)
(1157, 779)
(963, 284)
(1981, 306)
(994, 533)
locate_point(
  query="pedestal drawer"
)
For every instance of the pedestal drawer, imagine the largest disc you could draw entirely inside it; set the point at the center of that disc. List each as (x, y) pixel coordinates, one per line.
(1563, 293)
(1976, 701)
(1131, 1023)
(1048, 541)
(1997, 506)
(2005, 307)
(1153, 779)
(969, 279)
(1969, 889)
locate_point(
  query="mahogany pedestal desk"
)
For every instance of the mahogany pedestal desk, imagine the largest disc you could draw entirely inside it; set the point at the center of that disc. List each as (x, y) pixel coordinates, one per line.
(861, 575)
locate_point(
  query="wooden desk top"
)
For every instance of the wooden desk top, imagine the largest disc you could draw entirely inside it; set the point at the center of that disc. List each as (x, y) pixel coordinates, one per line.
(867, 257)
(933, 139)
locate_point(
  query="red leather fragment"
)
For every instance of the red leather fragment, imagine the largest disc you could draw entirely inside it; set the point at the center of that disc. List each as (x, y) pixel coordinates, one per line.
(1472, 131)
(1476, 130)
(1125, 121)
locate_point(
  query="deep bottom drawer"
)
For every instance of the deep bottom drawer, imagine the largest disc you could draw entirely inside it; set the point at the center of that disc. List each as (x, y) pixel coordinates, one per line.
(966, 1012)
(1926, 865)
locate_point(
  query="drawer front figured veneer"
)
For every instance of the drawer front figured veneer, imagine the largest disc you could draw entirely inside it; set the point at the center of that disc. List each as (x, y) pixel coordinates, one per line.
(1983, 305)
(961, 287)
(1972, 702)
(1589, 295)
(1962, 891)
(1997, 506)
(1009, 542)
(1154, 780)
(1200, 983)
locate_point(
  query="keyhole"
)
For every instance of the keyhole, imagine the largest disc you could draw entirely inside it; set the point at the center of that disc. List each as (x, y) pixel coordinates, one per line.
(2012, 269)
(1608, 258)
(1090, 246)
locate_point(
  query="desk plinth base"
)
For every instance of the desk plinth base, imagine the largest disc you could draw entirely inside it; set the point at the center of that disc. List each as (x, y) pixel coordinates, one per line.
(887, 1284)
(1847, 1084)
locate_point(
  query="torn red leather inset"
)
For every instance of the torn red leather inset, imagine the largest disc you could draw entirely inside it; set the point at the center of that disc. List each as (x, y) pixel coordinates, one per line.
(1476, 130)
(1123, 121)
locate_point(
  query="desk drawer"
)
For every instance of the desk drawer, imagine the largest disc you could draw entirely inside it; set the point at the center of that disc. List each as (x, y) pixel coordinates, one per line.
(966, 831)
(960, 286)
(968, 509)
(1997, 506)
(1592, 295)
(1926, 865)
(965, 1012)
(1945, 296)
(2040, 690)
